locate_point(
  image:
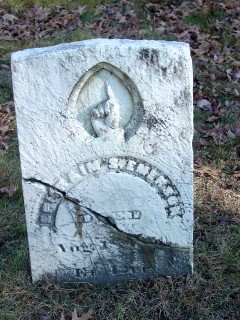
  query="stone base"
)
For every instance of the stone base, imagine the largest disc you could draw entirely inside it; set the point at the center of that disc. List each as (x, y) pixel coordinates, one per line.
(154, 261)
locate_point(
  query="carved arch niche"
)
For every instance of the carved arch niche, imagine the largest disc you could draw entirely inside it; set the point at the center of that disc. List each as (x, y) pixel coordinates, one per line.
(90, 91)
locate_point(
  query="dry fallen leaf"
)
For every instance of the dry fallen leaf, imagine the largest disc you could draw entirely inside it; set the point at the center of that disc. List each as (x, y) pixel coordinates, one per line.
(85, 316)
(203, 142)
(9, 18)
(235, 63)
(74, 315)
(80, 10)
(212, 118)
(9, 189)
(237, 175)
(207, 171)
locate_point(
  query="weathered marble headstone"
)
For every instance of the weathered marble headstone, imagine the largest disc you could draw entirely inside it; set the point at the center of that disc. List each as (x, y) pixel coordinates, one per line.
(105, 130)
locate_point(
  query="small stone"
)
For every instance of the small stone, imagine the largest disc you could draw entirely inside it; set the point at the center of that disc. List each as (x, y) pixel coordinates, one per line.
(227, 103)
(236, 92)
(5, 67)
(228, 89)
(231, 135)
(203, 103)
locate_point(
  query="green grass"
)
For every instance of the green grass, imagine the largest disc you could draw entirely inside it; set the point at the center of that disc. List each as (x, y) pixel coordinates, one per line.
(88, 15)
(231, 260)
(199, 116)
(29, 3)
(21, 5)
(229, 40)
(5, 86)
(12, 220)
(200, 20)
(203, 19)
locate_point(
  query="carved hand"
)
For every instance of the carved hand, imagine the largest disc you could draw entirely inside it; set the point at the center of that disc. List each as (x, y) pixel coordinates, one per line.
(106, 116)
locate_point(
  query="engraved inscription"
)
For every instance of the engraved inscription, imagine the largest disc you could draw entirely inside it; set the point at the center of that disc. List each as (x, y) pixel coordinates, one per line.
(93, 166)
(167, 191)
(82, 170)
(125, 215)
(49, 207)
(165, 188)
(83, 272)
(113, 269)
(142, 169)
(127, 269)
(82, 247)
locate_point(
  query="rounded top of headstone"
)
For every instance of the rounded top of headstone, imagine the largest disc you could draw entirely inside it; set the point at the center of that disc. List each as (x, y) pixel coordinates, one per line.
(151, 44)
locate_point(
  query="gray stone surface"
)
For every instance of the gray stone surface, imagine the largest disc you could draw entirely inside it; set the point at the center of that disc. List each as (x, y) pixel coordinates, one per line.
(105, 131)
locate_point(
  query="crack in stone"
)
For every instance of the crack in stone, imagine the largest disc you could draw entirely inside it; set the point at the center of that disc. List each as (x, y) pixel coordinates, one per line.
(110, 222)
(34, 180)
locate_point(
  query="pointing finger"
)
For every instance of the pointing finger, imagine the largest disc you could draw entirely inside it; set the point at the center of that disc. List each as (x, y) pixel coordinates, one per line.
(107, 108)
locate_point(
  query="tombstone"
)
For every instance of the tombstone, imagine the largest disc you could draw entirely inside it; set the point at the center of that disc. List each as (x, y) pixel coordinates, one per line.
(105, 131)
